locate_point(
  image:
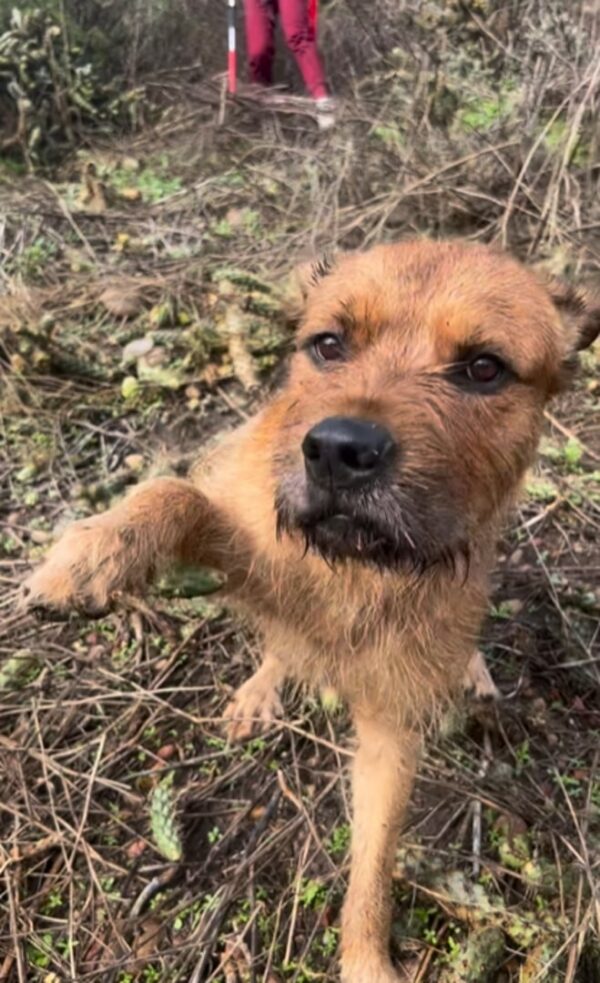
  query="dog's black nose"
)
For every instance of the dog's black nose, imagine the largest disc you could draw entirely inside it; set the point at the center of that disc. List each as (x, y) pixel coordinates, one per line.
(345, 452)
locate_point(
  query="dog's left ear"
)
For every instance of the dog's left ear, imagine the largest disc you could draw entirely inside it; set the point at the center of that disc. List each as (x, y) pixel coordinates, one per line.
(580, 311)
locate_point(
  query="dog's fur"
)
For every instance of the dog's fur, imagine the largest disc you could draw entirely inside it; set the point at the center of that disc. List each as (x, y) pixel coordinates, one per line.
(380, 592)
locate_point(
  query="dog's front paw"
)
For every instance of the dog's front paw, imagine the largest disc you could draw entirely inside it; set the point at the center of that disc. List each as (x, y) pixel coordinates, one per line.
(374, 971)
(254, 706)
(89, 564)
(478, 682)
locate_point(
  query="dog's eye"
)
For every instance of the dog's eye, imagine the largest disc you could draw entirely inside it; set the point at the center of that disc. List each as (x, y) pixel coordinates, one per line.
(480, 372)
(327, 347)
(484, 369)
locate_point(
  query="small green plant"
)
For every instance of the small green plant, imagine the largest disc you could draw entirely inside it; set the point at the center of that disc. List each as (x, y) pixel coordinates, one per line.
(419, 921)
(153, 183)
(109, 888)
(251, 221)
(222, 228)
(453, 947)
(243, 912)
(66, 947)
(53, 901)
(121, 655)
(568, 454)
(483, 112)
(556, 136)
(522, 756)
(151, 974)
(339, 840)
(312, 894)
(572, 786)
(8, 545)
(329, 941)
(210, 902)
(33, 259)
(541, 489)
(301, 973)
(572, 453)
(501, 611)
(39, 954)
(217, 743)
(231, 179)
(495, 837)
(389, 135)
(190, 915)
(255, 746)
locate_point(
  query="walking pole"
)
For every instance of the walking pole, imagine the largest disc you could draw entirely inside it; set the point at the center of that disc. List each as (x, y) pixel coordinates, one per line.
(231, 48)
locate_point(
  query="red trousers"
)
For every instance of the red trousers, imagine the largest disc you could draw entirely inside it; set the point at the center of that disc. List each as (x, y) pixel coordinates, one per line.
(300, 38)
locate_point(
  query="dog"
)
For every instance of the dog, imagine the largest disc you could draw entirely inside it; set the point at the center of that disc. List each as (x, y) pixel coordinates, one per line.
(356, 516)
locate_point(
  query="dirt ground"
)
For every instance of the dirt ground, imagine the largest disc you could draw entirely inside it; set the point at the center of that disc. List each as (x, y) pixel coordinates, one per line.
(141, 312)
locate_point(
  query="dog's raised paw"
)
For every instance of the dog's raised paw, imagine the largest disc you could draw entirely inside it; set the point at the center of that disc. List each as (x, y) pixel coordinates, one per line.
(83, 571)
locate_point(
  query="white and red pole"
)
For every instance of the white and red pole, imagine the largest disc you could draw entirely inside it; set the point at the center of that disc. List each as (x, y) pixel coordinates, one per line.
(231, 48)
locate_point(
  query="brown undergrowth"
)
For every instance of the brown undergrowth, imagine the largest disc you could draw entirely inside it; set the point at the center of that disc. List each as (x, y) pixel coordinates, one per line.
(140, 313)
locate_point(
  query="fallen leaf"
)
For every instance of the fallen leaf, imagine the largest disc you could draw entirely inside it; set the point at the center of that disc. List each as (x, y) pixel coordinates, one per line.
(121, 300)
(122, 241)
(130, 194)
(92, 197)
(134, 462)
(137, 348)
(166, 751)
(135, 849)
(17, 669)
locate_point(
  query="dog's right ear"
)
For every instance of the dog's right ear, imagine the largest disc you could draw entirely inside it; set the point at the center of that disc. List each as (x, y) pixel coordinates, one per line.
(310, 274)
(580, 311)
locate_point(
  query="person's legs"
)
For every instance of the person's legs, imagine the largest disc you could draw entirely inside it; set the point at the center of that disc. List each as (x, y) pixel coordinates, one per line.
(300, 38)
(260, 28)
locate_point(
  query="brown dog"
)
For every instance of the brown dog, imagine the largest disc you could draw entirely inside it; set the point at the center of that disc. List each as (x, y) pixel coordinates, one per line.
(356, 516)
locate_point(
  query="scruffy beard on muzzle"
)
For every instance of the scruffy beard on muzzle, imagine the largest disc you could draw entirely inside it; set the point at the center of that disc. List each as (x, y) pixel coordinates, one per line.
(378, 527)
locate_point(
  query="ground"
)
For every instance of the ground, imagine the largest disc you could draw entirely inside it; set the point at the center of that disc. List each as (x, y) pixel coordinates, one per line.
(143, 313)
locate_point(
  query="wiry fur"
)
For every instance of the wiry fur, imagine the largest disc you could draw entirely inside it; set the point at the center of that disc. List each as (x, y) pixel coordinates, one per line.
(380, 593)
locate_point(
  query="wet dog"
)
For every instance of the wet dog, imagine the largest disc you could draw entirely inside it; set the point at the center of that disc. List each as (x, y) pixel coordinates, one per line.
(356, 516)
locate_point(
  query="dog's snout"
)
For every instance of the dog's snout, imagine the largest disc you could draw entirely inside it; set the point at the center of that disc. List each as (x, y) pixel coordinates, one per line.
(345, 452)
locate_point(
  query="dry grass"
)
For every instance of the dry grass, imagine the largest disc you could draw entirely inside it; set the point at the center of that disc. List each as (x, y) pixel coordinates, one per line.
(498, 874)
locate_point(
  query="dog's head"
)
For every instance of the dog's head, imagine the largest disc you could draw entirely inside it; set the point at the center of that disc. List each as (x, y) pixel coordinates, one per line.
(415, 398)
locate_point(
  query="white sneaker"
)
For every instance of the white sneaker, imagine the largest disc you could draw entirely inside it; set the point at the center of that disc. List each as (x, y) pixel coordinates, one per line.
(325, 107)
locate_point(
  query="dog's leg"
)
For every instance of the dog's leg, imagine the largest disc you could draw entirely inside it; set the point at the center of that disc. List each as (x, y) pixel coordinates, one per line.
(161, 522)
(256, 703)
(384, 770)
